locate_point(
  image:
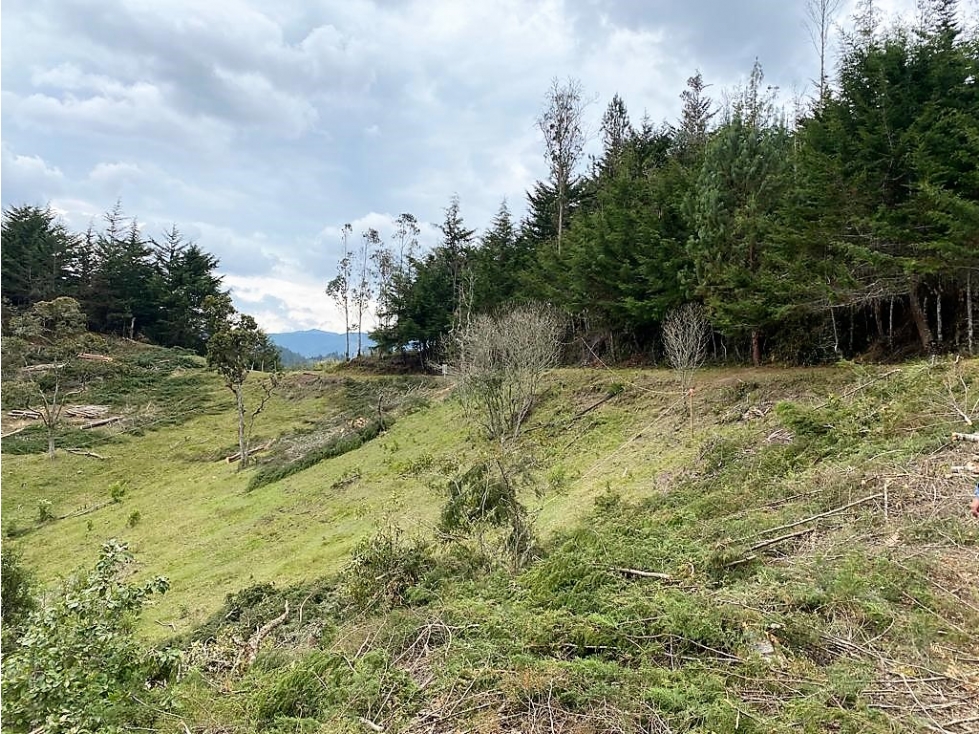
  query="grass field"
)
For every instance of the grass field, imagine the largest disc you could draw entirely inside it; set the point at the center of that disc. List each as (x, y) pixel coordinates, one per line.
(796, 557)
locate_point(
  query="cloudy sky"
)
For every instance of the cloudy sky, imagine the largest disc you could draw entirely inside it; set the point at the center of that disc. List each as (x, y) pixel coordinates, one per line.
(259, 128)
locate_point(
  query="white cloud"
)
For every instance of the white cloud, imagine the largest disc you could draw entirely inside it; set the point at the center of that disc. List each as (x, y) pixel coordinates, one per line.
(260, 128)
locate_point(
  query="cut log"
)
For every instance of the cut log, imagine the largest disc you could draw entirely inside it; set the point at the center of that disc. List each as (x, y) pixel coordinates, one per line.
(86, 411)
(973, 437)
(101, 422)
(28, 413)
(43, 367)
(95, 357)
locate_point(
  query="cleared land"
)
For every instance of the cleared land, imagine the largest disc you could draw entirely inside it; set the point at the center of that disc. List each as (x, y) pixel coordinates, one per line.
(798, 559)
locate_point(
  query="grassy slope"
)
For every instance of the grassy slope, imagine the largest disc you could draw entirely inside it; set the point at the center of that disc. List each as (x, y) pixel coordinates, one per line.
(862, 599)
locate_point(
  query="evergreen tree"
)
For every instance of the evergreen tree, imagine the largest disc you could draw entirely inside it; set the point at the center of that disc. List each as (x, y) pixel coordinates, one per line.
(739, 188)
(38, 256)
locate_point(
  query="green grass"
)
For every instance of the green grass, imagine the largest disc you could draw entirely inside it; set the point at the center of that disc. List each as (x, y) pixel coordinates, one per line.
(848, 605)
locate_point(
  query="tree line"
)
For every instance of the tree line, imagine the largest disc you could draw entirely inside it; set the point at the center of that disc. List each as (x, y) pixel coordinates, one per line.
(126, 283)
(851, 225)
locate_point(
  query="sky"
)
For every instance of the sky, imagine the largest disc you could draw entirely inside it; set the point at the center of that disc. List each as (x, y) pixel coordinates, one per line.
(260, 128)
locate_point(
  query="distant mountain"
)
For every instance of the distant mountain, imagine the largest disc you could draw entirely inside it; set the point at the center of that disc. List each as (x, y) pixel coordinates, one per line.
(316, 343)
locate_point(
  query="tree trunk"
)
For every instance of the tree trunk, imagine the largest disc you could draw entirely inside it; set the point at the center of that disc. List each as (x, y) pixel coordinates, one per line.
(938, 316)
(890, 323)
(836, 333)
(560, 218)
(756, 347)
(919, 316)
(50, 442)
(970, 333)
(242, 447)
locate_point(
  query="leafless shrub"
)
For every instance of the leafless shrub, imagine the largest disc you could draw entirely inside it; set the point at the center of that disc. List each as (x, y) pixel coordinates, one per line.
(686, 333)
(503, 363)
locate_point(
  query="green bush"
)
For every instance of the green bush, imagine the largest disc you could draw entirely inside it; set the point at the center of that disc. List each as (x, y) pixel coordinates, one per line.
(77, 666)
(385, 568)
(16, 597)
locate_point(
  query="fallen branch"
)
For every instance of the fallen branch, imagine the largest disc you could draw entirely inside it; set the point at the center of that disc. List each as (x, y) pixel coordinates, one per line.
(592, 407)
(83, 452)
(862, 386)
(973, 437)
(101, 422)
(816, 517)
(86, 511)
(642, 574)
(779, 539)
(14, 432)
(237, 455)
(246, 655)
(370, 724)
(95, 357)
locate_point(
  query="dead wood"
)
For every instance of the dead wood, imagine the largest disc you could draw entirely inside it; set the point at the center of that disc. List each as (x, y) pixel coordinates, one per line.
(862, 386)
(592, 407)
(251, 452)
(816, 517)
(95, 357)
(14, 432)
(370, 724)
(779, 539)
(973, 437)
(86, 411)
(642, 574)
(101, 422)
(247, 654)
(86, 511)
(43, 367)
(83, 452)
(27, 413)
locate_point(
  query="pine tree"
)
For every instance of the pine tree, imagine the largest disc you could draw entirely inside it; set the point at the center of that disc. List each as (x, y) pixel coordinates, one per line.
(740, 185)
(38, 256)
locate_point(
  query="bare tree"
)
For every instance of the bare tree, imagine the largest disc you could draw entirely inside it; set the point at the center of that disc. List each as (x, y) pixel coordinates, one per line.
(339, 288)
(819, 21)
(362, 292)
(502, 364)
(506, 359)
(562, 123)
(686, 333)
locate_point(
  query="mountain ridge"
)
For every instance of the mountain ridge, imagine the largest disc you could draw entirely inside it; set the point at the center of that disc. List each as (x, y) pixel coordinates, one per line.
(318, 343)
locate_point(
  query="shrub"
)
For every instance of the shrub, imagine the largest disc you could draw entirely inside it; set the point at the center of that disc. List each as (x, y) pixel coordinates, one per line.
(16, 597)
(385, 567)
(77, 666)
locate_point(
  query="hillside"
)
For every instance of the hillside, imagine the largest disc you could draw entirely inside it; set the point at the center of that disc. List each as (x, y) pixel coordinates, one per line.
(796, 559)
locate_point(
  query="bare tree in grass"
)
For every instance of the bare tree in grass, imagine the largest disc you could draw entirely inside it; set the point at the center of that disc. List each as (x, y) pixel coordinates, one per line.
(505, 359)
(686, 333)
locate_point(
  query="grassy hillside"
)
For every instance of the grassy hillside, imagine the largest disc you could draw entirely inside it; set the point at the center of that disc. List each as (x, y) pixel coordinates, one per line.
(796, 559)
